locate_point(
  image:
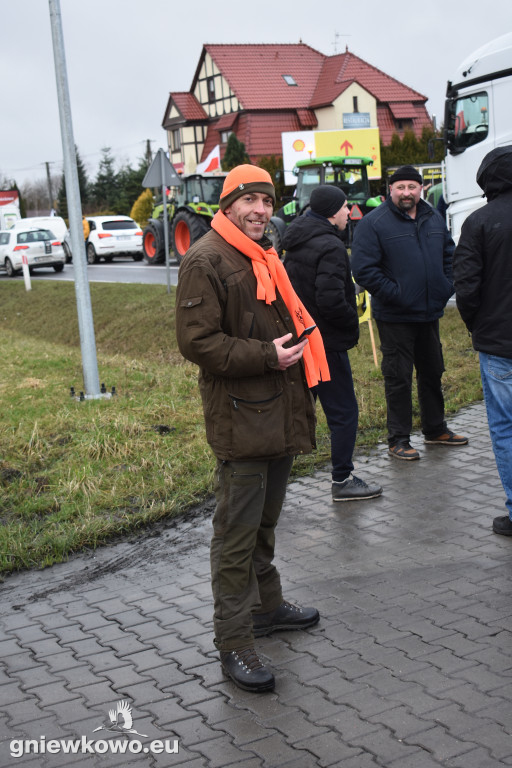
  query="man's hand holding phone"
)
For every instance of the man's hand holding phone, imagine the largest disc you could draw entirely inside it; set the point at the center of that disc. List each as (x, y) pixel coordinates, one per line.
(288, 356)
(306, 332)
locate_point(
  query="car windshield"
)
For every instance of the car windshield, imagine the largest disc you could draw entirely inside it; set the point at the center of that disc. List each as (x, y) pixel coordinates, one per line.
(35, 236)
(111, 226)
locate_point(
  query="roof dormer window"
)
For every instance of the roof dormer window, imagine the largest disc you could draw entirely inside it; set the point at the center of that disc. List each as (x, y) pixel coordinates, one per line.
(289, 80)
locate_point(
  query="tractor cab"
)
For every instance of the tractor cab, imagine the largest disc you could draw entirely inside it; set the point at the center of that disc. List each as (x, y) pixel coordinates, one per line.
(200, 189)
(348, 173)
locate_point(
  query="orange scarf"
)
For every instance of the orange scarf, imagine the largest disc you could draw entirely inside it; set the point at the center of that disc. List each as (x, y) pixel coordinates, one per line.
(271, 275)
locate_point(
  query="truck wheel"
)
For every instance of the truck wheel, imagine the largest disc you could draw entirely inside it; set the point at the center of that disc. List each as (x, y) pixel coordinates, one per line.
(187, 228)
(92, 257)
(153, 245)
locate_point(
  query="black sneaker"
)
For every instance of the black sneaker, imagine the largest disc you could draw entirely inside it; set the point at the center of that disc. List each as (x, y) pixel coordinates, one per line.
(353, 489)
(502, 525)
(247, 670)
(285, 616)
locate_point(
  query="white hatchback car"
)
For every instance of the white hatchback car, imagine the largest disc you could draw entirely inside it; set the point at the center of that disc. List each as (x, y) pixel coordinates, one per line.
(39, 247)
(113, 236)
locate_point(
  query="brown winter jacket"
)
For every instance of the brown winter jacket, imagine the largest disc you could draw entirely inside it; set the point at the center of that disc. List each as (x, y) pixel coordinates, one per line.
(252, 409)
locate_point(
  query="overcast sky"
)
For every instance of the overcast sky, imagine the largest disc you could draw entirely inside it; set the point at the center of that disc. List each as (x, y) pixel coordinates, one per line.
(125, 56)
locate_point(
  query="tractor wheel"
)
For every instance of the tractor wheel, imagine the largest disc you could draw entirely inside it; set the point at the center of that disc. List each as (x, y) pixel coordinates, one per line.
(186, 229)
(153, 242)
(274, 235)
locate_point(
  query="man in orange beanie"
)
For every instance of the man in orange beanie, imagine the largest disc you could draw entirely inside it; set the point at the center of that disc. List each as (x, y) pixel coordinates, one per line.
(239, 320)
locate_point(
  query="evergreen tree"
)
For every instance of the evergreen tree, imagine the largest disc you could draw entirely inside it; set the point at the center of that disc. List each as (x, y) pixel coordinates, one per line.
(235, 153)
(83, 185)
(274, 165)
(104, 188)
(129, 183)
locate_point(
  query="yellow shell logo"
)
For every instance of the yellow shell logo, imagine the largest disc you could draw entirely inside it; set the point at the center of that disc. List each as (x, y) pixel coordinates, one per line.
(298, 145)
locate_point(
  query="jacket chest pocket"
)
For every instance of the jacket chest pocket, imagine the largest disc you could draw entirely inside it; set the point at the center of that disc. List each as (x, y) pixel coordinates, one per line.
(258, 426)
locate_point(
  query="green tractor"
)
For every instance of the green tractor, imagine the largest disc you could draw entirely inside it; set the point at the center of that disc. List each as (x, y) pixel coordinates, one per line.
(348, 173)
(190, 212)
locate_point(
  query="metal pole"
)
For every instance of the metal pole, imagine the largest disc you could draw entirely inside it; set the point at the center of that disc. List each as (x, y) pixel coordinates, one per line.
(83, 298)
(50, 191)
(166, 222)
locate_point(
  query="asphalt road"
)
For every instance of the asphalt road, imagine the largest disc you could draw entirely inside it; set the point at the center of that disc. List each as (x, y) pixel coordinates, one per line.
(119, 271)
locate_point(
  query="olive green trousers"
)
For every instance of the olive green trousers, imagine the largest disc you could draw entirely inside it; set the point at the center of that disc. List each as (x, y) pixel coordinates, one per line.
(250, 495)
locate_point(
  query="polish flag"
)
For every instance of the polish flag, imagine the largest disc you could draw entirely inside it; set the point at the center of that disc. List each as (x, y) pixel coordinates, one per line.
(212, 162)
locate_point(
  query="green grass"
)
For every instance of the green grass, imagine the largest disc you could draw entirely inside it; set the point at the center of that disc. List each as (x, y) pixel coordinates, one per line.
(74, 475)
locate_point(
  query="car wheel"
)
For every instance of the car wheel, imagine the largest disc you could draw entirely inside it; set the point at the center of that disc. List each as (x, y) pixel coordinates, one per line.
(9, 268)
(67, 252)
(92, 257)
(138, 256)
(58, 267)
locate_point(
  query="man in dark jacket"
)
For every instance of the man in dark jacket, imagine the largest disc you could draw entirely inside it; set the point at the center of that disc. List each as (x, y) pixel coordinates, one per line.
(238, 319)
(319, 269)
(402, 255)
(483, 284)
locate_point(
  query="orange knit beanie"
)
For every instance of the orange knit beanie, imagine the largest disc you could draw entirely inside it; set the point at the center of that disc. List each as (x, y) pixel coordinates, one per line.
(246, 178)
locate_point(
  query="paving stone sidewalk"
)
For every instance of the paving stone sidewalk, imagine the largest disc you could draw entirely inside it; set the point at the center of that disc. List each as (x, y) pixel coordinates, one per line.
(410, 666)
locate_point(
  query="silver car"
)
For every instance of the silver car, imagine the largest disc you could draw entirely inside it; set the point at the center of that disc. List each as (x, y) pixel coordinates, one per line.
(36, 247)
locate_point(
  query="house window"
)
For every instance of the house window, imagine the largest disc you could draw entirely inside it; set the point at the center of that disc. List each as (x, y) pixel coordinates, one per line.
(289, 80)
(354, 104)
(224, 136)
(175, 140)
(404, 125)
(211, 90)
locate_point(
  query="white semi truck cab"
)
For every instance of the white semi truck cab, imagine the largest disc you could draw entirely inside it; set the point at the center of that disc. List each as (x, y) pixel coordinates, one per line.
(478, 118)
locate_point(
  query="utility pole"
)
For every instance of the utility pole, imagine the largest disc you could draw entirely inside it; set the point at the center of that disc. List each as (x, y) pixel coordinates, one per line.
(50, 191)
(149, 154)
(83, 297)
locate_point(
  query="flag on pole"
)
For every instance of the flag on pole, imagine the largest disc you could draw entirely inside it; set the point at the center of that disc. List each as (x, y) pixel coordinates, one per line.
(212, 162)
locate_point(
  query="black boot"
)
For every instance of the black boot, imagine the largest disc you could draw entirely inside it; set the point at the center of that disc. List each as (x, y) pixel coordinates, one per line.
(247, 671)
(285, 616)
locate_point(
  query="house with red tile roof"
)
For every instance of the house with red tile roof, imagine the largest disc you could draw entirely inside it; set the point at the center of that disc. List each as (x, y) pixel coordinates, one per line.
(259, 91)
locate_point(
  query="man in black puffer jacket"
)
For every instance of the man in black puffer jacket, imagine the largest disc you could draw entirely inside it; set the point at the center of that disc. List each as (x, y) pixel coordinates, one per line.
(319, 269)
(482, 270)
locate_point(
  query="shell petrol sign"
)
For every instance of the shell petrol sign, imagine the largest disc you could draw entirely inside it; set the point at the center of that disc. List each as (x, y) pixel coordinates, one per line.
(303, 145)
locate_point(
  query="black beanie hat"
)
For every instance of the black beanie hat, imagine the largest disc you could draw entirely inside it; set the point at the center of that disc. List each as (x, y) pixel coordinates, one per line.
(406, 173)
(327, 200)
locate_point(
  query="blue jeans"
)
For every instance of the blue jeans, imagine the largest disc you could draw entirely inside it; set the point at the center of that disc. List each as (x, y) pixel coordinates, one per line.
(496, 375)
(339, 403)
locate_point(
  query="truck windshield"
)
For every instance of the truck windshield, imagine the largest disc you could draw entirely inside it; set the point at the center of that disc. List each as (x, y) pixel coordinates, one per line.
(467, 121)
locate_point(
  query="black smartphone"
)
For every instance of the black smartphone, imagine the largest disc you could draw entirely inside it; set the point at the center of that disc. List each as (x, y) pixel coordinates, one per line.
(306, 332)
